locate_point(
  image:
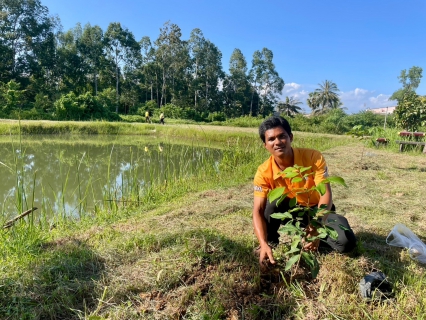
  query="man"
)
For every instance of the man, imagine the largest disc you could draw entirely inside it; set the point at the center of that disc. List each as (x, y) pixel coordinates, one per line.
(277, 137)
(162, 118)
(147, 119)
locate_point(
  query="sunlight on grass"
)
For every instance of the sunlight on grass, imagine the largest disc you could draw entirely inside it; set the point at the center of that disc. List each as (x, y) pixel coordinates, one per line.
(184, 250)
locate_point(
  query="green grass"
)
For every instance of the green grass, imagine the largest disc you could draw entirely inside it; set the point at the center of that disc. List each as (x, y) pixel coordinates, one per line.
(185, 251)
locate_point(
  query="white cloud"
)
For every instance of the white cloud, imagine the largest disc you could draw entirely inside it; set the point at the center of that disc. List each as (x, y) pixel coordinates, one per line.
(354, 100)
(290, 87)
(362, 99)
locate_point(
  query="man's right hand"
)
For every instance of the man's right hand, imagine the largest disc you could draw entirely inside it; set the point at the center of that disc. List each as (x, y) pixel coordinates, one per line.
(265, 255)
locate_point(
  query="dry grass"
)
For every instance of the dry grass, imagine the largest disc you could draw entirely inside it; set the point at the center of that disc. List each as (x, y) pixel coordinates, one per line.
(192, 258)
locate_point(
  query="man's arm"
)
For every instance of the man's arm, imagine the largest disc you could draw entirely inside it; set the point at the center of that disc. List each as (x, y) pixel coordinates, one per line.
(259, 225)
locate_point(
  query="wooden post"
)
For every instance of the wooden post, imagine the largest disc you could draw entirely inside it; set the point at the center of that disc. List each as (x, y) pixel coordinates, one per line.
(11, 222)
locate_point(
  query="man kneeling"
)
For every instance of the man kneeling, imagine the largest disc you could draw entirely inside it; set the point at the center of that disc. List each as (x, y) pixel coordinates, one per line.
(276, 135)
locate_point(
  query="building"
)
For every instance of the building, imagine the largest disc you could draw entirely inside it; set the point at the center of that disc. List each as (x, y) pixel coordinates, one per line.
(384, 110)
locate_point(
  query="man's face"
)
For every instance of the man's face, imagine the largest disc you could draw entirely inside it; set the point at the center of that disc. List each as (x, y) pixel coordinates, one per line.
(278, 142)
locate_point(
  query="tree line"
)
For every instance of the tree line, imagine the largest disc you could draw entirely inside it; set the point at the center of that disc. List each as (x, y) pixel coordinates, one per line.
(89, 73)
(85, 70)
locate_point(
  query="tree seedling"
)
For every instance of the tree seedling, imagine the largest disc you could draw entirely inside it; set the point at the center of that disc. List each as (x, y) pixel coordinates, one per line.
(317, 218)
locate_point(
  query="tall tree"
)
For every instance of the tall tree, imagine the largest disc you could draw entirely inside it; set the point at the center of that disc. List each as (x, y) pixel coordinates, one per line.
(266, 80)
(211, 73)
(327, 96)
(27, 38)
(122, 49)
(237, 85)
(313, 102)
(149, 67)
(410, 81)
(71, 68)
(91, 47)
(289, 107)
(172, 58)
(411, 111)
(196, 46)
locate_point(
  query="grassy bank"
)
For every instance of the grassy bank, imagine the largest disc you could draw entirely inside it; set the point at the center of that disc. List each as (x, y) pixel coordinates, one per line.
(184, 251)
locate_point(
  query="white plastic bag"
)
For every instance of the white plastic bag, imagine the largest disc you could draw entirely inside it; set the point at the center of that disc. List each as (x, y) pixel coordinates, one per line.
(401, 236)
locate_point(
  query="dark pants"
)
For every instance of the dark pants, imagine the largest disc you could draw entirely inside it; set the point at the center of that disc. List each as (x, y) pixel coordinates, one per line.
(345, 242)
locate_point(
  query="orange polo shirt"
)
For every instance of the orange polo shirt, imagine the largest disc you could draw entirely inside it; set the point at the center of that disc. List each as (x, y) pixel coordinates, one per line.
(267, 176)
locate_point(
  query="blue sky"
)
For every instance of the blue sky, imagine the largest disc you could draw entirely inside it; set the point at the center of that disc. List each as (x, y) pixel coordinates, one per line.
(360, 45)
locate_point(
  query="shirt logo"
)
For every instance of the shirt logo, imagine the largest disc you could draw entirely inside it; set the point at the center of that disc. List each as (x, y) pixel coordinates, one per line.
(257, 188)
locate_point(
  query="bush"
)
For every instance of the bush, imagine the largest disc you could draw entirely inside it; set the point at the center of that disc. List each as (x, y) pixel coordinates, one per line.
(32, 114)
(82, 107)
(107, 98)
(132, 118)
(216, 116)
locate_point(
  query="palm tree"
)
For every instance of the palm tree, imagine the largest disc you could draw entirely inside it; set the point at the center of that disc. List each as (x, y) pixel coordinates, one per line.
(289, 107)
(313, 102)
(328, 97)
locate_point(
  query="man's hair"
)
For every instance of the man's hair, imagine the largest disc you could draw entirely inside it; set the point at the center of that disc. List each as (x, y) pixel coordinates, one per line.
(271, 123)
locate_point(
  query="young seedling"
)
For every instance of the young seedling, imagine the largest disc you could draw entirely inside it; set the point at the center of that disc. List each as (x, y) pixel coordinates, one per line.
(317, 218)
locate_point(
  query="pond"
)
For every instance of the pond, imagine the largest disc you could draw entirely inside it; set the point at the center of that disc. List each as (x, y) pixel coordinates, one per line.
(72, 175)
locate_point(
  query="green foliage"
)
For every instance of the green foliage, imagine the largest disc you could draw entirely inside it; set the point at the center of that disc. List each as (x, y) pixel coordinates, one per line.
(300, 235)
(149, 106)
(410, 81)
(107, 98)
(216, 116)
(289, 107)
(324, 98)
(82, 107)
(12, 96)
(410, 113)
(171, 111)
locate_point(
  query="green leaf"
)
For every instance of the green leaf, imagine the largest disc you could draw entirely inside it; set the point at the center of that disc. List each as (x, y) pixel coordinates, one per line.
(308, 259)
(275, 194)
(312, 262)
(343, 227)
(291, 262)
(281, 199)
(321, 188)
(290, 169)
(331, 232)
(322, 235)
(296, 180)
(316, 224)
(295, 243)
(292, 250)
(289, 228)
(281, 216)
(303, 169)
(292, 202)
(338, 180)
(291, 174)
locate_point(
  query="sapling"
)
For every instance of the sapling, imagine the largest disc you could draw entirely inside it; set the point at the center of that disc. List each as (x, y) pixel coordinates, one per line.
(317, 218)
(361, 133)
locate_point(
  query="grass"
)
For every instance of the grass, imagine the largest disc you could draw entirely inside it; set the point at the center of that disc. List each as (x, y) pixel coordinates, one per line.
(186, 251)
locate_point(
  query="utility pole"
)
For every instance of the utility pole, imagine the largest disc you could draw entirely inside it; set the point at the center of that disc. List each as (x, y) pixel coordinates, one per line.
(386, 115)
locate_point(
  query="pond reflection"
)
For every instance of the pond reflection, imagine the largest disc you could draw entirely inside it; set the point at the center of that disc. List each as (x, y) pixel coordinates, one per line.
(70, 175)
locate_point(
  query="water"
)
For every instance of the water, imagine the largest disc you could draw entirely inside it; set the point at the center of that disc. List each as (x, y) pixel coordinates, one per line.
(73, 174)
